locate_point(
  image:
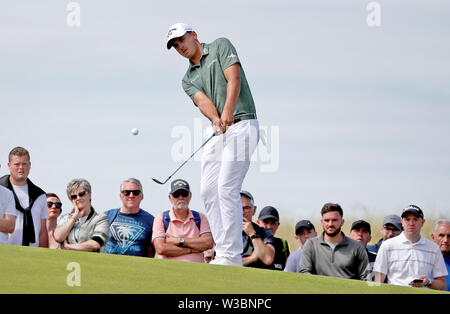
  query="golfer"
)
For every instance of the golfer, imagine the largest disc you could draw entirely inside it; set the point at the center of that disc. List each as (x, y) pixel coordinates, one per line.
(216, 83)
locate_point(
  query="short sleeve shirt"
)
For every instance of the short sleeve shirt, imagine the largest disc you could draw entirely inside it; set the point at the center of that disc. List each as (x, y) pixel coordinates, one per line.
(184, 229)
(208, 77)
(403, 261)
(266, 236)
(7, 207)
(130, 234)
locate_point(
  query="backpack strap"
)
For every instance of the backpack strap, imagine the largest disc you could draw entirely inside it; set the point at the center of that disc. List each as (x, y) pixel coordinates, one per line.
(197, 218)
(166, 219)
(112, 215)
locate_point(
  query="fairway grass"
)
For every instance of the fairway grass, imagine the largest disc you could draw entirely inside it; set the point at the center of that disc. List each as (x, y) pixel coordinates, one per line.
(37, 270)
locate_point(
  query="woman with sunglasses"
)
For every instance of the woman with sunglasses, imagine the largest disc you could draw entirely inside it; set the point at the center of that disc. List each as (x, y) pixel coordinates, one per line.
(83, 229)
(54, 207)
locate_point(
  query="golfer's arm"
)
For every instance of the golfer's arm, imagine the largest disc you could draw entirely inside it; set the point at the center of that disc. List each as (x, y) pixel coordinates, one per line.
(206, 106)
(233, 77)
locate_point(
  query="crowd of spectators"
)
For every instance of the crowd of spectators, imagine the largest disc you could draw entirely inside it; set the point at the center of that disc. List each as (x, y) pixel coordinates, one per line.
(403, 256)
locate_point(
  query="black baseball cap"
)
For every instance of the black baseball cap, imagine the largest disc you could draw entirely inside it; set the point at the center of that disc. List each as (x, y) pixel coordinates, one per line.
(247, 194)
(361, 224)
(269, 212)
(179, 184)
(412, 209)
(303, 224)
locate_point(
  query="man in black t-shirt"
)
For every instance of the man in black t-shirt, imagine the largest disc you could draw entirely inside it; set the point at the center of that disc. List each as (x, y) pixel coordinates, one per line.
(259, 250)
(269, 219)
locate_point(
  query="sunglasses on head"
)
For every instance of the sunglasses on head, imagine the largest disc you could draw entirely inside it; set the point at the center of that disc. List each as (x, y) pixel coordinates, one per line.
(81, 194)
(183, 193)
(57, 204)
(128, 192)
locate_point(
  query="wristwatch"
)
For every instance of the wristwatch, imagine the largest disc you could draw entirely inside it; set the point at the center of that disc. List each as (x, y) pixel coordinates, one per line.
(429, 283)
(180, 241)
(255, 236)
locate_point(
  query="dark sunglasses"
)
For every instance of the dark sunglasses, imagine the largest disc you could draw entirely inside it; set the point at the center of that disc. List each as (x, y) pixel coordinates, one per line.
(128, 192)
(183, 193)
(57, 204)
(81, 194)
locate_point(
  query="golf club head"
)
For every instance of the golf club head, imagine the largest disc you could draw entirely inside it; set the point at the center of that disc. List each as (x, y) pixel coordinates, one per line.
(159, 182)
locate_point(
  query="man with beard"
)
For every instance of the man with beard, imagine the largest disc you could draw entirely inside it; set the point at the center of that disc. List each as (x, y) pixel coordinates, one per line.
(181, 234)
(332, 253)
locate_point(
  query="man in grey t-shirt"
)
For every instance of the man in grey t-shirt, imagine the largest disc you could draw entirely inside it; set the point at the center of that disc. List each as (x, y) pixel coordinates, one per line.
(333, 253)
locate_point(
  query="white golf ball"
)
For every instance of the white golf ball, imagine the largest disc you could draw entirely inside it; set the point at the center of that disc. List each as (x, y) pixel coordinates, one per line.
(134, 131)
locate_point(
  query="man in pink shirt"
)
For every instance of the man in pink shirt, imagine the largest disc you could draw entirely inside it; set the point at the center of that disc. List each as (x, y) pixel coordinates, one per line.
(181, 234)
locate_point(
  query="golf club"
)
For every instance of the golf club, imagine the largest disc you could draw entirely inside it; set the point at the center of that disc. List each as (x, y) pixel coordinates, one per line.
(164, 182)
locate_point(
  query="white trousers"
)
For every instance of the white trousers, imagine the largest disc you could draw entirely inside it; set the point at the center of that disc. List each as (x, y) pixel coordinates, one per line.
(225, 162)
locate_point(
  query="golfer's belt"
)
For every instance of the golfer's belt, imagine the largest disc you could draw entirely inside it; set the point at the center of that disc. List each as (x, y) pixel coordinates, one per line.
(244, 116)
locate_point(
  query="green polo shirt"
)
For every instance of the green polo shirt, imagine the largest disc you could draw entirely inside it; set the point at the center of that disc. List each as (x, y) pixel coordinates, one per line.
(208, 77)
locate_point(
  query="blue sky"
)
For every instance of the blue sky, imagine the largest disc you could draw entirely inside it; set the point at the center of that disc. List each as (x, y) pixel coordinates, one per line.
(362, 112)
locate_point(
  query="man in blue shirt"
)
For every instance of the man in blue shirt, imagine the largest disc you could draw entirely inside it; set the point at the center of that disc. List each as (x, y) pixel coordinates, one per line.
(441, 237)
(130, 226)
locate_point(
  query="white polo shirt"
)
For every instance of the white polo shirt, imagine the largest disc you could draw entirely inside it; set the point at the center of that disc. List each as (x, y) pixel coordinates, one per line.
(7, 207)
(403, 261)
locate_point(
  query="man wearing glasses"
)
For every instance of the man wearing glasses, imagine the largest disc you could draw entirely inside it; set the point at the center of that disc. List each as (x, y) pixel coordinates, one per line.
(130, 226)
(392, 227)
(180, 233)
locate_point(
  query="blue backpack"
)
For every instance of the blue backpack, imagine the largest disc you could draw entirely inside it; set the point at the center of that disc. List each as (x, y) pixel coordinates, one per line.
(166, 219)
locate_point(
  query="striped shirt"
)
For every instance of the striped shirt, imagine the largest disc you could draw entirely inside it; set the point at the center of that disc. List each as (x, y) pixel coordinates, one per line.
(403, 261)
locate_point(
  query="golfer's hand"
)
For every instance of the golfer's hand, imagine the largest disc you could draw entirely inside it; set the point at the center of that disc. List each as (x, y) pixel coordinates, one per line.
(218, 126)
(227, 118)
(247, 227)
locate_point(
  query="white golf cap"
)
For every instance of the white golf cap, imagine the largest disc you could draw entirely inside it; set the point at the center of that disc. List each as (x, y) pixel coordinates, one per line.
(177, 30)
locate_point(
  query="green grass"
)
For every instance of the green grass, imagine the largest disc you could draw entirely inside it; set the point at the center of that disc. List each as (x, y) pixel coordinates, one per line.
(36, 270)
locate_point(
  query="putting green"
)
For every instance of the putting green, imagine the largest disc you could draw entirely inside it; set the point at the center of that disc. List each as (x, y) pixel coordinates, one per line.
(37, 270)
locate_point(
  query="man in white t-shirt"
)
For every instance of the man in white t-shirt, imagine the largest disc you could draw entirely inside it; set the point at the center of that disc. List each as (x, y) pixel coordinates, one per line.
(7, 214)
(30, 200)
(410, 259)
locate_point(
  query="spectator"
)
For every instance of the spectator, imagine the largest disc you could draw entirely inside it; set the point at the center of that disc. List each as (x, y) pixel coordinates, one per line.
(54, 207)
(181, 234)
(259, 250)
(392, 227)
(362, 233)
(7, 214)
(83, 229)
(130, 226)
(441, 236)
(333, 253)
(410, 259)
(31, 204)
(208, 255)
(269, 219)
(304, 230)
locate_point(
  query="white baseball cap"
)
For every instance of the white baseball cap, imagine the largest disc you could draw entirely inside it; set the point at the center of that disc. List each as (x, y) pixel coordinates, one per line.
(177, 30)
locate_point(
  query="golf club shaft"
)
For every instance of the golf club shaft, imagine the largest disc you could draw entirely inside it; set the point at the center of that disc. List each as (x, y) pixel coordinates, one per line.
(214, 134)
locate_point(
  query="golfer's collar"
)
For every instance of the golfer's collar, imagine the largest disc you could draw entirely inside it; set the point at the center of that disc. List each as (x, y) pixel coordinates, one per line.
(205, 52)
